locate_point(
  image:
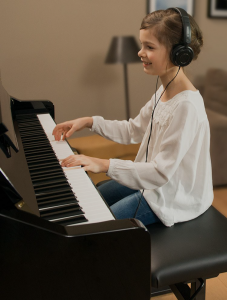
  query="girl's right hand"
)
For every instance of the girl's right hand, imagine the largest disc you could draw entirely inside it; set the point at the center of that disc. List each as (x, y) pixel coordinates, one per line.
(68, 128)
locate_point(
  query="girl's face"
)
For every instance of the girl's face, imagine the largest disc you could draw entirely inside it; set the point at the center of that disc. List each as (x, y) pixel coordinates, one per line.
(155, 56)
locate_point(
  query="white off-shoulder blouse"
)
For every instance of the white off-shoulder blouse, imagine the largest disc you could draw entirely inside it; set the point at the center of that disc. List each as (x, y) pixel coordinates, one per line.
(177, 177)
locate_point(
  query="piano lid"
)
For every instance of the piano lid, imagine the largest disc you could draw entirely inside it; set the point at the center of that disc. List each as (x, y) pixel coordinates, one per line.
(15, 167)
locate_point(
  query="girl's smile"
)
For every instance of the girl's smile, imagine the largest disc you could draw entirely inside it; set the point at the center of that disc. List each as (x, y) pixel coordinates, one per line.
(146, 64)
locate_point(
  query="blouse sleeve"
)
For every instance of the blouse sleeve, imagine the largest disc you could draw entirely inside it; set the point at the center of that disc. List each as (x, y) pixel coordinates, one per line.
(176, 141)
(124, 132)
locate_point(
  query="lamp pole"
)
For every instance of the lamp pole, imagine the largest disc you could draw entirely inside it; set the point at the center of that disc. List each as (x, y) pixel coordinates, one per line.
(126, 91)
(124, 50)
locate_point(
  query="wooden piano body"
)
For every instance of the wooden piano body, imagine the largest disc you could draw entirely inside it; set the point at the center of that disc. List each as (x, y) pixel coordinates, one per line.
(40, 259)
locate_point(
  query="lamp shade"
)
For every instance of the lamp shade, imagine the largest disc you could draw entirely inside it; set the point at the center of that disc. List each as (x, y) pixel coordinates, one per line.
(123, 49)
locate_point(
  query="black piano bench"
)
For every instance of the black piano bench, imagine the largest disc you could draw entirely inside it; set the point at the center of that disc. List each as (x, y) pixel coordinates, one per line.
(188, 252)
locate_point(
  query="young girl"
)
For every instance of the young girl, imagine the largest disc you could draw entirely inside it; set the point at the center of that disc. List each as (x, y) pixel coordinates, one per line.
(170, 180)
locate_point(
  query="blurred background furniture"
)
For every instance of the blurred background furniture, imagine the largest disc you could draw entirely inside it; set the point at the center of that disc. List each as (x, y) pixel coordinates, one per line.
(215, 99)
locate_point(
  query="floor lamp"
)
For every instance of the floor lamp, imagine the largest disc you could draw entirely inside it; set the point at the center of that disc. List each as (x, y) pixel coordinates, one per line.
(123, 49)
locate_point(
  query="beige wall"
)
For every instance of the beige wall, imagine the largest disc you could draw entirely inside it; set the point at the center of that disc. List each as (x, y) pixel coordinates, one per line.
(55, 50)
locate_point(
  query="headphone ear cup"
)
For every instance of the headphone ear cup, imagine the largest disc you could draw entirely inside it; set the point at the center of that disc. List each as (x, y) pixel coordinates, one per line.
(181, 55)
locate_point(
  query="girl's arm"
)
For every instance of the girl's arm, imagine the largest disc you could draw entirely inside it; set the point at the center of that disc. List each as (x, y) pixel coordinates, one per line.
(124, 132)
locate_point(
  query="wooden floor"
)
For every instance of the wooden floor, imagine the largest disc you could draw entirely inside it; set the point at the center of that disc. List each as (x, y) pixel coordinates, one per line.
(217, 287)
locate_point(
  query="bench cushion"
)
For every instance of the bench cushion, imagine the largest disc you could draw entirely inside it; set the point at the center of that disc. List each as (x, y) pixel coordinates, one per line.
(189, 250)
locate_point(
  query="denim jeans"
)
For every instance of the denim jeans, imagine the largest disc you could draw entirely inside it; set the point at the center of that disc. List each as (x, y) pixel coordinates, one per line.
(124, 201)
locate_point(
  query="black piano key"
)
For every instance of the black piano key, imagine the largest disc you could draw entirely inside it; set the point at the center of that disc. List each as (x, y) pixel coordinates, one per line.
(48, 157)
(43, 161)
(45, 166)
(50, 192)
(62, 215)
(32, 130)
(41, 171)
(49, 182)
(30, 136)
(61, 201)
(40, 157)
(32, 139)
(26, 116)
(51, 187)
(67, 197)
(47, 179)
(62, 211)
(28, 139)
(55, 196)
(28, 124)
(71, 221)
(37, 148)
(42, 152)
(35, 144)
(28, 128)
(32, 133)
(25, 119)
(34, 157)
(31, 127)
(43, 175)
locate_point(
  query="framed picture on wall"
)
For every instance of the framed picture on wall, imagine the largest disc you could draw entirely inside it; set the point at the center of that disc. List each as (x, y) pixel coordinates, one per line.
(187, 5)
(217, 8)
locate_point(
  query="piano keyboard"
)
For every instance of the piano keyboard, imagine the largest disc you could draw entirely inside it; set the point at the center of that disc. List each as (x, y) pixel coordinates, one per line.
(64, 195)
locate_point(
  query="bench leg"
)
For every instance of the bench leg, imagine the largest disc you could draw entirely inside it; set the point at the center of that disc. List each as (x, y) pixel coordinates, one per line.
(194, 286)
(183, 292)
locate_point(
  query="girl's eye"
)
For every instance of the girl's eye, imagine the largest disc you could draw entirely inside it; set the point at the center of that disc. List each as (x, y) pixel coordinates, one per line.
(149, 47)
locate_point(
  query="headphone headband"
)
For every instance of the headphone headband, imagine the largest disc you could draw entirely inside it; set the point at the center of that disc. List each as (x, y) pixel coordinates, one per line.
(186, 25)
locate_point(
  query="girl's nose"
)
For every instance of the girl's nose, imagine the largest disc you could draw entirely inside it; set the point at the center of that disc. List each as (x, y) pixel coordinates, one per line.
(140, 53)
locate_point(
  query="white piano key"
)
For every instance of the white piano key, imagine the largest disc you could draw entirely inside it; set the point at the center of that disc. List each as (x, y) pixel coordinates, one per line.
(89, 199)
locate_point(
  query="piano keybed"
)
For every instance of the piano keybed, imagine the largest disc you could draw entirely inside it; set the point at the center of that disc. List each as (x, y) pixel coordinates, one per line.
(64, 195)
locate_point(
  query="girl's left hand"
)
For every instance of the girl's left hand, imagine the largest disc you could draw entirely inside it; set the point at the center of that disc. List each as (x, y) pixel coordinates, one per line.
(95, 165)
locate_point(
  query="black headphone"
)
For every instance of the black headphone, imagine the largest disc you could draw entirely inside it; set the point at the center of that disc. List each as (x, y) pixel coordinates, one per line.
(181, 54)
